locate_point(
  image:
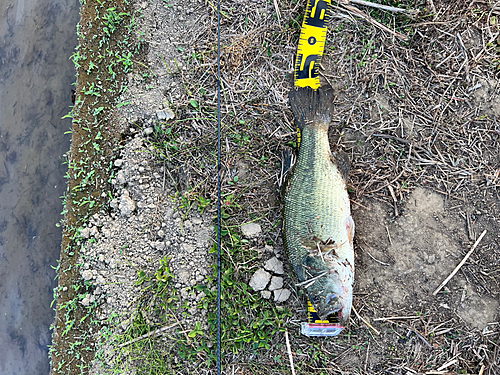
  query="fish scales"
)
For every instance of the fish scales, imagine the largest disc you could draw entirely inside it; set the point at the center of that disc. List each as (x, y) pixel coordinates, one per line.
(318, 226)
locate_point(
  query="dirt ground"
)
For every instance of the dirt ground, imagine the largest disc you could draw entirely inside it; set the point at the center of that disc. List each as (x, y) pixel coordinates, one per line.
(418, 119)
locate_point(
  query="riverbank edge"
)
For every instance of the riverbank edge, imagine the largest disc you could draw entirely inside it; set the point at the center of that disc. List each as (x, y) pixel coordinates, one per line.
(106, 44)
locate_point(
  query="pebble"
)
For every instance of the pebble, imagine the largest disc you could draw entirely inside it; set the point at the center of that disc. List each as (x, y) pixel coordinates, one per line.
(121, 177)
(276, 283)
(85, 301)
(87, 275)
(184, 276)
(274, 265)
(165, 115)
(281, 295)
(127, 205)
(188, 248)
(85, 233)
(148, 131)
(251, 230)
(259, 280)
(265, 294)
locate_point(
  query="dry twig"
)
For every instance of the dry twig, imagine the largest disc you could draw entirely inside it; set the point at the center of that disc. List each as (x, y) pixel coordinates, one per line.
(289, 350)
(149, 335)
(364, 321)
(460, 264)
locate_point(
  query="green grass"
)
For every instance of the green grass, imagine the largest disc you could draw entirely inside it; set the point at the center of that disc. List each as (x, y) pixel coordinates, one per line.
(107, 41)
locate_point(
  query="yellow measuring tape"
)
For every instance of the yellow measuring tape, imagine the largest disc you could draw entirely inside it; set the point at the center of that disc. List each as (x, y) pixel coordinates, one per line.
(312, 43)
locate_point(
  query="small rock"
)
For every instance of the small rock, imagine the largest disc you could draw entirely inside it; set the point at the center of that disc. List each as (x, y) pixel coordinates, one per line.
(165, 115)
(121, 177)
(184, 276)
(274, 265)
(94, 232)
(276, 283)
(265, 294)
(268, 248)
(85, 233)
(114, 203)
(127, 205)
(148, 131)
(251, 230)
(281, 295)
(118, 162)
(431, 259)
(260, 279)
(188, 248)
(85, 301)
(87, 275)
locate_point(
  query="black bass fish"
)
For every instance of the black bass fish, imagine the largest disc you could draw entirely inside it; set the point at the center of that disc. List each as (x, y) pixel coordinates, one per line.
(318, 226)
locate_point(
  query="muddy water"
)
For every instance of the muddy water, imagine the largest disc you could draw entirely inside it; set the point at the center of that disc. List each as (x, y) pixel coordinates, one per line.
(37, 37)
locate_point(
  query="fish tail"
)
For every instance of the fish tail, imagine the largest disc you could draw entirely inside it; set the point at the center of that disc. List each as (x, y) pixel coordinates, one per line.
(309, 105)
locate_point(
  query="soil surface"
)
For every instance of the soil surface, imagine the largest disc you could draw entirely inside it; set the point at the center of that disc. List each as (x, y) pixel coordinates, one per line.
(418, 119)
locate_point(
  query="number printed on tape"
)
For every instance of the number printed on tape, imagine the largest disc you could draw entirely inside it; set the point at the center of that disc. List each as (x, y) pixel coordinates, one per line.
(312, 43)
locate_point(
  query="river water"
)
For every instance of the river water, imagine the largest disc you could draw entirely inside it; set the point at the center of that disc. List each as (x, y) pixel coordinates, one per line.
(37, 37)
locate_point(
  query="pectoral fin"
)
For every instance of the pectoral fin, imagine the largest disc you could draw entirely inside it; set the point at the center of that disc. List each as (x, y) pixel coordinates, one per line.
(349, 223)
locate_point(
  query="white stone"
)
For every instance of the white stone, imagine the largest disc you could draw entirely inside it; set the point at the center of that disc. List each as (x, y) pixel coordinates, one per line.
(281, 295)
(87, 275)
(85, 233)
(165, 115)
(276, 283)
(251, 230)
(127, 205)
(265, 294)
(85, 301)
(274, 265)
(268, 248)
(260, 279)
(121, 177)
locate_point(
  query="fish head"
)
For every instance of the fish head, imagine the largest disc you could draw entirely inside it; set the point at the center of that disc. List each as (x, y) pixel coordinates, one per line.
(333, 294)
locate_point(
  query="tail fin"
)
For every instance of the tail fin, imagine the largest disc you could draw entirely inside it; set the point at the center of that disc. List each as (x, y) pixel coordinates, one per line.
(309, 105)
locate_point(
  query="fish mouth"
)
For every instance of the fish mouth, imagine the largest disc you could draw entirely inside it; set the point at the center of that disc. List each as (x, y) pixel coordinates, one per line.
(330, 306)
(335, 310)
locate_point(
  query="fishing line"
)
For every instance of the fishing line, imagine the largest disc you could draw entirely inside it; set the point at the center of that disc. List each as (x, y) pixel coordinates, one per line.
(218, 195)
